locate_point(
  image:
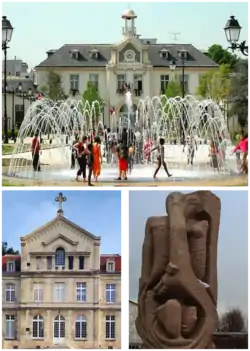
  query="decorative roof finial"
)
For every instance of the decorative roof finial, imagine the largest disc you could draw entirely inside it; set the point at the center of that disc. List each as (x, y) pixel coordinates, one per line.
(60, 199)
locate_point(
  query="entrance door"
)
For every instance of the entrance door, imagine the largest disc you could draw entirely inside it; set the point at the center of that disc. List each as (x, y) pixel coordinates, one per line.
(59, 330)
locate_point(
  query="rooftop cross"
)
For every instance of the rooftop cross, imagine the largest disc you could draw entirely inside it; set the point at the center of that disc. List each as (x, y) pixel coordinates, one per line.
(60, 198)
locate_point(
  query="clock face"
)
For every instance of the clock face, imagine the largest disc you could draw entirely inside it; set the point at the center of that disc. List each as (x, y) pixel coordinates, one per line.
(129, 56)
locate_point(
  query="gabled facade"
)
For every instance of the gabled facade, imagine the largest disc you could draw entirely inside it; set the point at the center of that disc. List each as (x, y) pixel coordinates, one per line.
(141, 64)
(60, 292)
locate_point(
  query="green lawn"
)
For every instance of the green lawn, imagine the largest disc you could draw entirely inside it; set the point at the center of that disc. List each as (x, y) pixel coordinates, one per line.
(4, 185)
(8, 183)
(7, 148)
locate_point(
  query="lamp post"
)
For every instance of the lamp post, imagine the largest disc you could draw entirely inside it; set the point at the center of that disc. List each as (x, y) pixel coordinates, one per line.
(172, 67)
(232, 31)
(7, 31)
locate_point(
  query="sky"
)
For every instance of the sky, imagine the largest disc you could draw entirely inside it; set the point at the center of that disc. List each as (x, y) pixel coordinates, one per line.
(232, 248)
(42, 26)
(25, 211)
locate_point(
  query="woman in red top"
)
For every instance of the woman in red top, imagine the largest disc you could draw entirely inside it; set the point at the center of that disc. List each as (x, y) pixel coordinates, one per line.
(243, 146)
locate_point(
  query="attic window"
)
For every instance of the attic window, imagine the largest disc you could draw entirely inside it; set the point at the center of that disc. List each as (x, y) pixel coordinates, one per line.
(164, 53)
(110, 266)
(10, 266)
(94, 54)
(75, 54)
(183, 54)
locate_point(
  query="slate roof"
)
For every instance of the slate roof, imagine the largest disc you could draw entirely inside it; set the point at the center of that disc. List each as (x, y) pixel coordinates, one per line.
(62, 58)
(27, 83)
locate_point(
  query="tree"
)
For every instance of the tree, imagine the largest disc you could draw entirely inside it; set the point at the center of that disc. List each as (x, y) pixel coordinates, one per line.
(215, 84)
(232, 321)
(174, 88)
(222, 56)
(53, 88)
(91, 95)
(8, 250)
(239, 93)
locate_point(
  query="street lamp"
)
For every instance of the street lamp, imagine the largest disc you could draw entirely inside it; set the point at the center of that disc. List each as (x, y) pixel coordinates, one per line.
(7, 31)
(232, 31)
(172, 67)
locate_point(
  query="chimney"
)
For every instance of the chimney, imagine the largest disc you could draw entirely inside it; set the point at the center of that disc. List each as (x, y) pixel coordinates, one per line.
(50, 53)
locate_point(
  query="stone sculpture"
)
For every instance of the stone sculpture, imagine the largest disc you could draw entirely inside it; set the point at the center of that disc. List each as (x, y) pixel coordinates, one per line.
(178, 285)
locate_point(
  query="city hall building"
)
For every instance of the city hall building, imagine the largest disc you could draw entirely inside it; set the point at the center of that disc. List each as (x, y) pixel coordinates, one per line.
(141, 64)
(61, 292)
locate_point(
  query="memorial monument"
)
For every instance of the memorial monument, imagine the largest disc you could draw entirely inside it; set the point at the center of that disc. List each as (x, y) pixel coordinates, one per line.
(178, 286)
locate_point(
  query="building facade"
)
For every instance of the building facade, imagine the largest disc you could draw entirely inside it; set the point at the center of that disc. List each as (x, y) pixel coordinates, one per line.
(20, 93)
(60, 292)
(143, 65)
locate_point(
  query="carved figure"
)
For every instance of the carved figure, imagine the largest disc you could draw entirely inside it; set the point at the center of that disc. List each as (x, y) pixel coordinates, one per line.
(178, 285)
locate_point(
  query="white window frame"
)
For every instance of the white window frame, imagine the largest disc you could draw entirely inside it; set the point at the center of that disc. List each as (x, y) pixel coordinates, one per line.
(37, 320)
(10, 264)
(110, 266)
(10, 319)
(74, 80)
(82, 322)
(110, 293)
(94, 79)
(164, 78)
(110, 320)
(10, 288)
(81, 291)
(38, 292)
(59, 292)
(120, 81)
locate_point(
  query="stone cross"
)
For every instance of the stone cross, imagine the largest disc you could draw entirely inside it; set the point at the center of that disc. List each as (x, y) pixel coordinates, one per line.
(60, 198)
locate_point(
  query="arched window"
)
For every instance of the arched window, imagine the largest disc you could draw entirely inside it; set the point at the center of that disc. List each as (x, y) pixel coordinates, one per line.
(38, 327)
(60, 257)
(81, 327)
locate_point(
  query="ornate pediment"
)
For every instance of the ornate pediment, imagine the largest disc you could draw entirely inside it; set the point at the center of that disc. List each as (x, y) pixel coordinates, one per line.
(62, 237)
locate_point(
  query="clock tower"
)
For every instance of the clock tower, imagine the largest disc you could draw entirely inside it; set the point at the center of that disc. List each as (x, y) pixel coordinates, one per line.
(129, 29)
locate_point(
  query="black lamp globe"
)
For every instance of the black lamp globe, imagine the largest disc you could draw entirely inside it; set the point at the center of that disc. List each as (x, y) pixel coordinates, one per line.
(232, 30)
(7, 31)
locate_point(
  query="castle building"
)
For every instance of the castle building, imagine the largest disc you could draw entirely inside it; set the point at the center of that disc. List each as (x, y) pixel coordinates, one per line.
(143, 65)
(60, 292)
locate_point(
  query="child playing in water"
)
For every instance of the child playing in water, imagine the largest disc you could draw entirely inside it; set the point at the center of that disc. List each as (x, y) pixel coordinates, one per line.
(130, 157)
(160, 158)
(213, 154)
(113, 150)
(122, 153)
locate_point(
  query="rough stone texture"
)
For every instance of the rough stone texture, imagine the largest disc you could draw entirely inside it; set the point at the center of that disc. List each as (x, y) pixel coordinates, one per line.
(178, 285)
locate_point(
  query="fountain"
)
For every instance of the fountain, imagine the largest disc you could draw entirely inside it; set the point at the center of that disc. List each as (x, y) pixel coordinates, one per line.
(155, 117)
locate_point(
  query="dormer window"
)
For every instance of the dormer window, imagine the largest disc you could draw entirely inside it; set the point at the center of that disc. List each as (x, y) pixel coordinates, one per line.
(94, 54)
(110, 266)
(164, 53)
(183, 54)
(10, 267)
(75, 54)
